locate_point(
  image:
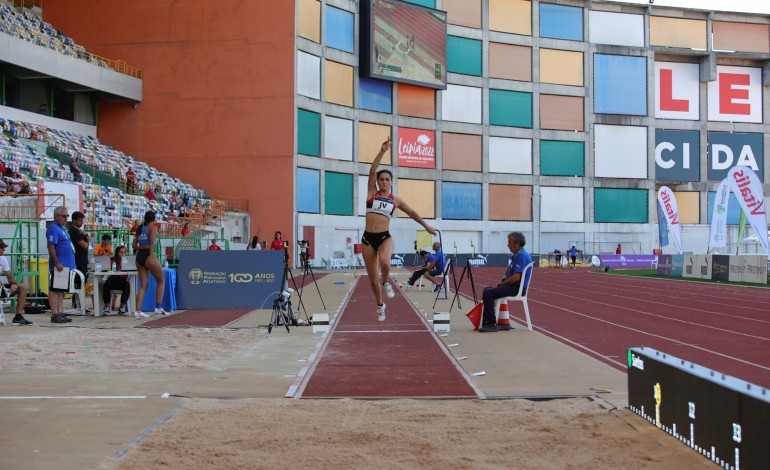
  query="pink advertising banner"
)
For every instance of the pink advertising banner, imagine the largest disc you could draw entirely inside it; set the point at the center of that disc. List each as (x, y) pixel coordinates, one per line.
(416, 148)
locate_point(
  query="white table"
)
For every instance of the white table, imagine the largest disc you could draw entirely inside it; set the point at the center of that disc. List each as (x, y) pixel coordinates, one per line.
(100, 276)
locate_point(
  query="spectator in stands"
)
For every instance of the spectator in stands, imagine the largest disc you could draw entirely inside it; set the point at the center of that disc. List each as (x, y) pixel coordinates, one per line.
(185, 200)
(509, 286)
(254, 244)
(146, 262)
(116, 282)
(11, 288)
(25, 188)
(105, 247)
(173, 204)
(136, 225)
(186, 229)
(214, 246)
(61, 255)
(130, 180)
(75, 169)
(150, 194)
(618, 250)
(278, 243)
(80, 241)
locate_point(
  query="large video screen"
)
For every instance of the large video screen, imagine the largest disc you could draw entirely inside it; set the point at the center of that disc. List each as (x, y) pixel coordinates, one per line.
(403, 42)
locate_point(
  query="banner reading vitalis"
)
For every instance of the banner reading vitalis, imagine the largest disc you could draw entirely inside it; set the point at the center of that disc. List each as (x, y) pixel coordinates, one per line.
(416, 148)
(667, 200)
(718, 235)
(748, 189)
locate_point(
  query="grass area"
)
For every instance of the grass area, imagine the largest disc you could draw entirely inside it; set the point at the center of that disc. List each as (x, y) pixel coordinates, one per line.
(653, 274)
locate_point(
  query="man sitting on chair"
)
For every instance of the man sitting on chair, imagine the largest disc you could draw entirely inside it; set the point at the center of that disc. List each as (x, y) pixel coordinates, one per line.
(434, 266)
(509, 286)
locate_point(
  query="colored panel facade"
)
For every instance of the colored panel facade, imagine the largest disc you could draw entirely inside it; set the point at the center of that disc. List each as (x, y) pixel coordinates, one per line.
(561, 204)
(338, 138)
(510, 202)
(308, 133)
(689, 206)
(620, 205)
(741, 37)
(420, 195)
(461, 103)
(462, 152)
(620, 151)
(308, 190)
(510, 108)
(561, 67)
(309, 19)
(308, 75)
(617, 29)
(339, 83)
(511, 16)
(463, 56)
(463, 12)
(370, 139)
(507, 155)
(677, 32)
(561, 112)
(416, 101)
(460, 201)
(338, 193)
(561, 158)
(510, 62)
(375, 95)
(561, 22)
(338, 29)
(620, 85)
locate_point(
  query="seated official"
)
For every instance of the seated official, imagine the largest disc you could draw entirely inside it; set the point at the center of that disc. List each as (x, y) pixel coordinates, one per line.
(105, 247)
(510, 284)
(434, 266)
(11, 288)
(116, 282)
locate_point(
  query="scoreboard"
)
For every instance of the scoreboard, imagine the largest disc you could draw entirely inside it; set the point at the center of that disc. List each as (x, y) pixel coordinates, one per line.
(725, 419)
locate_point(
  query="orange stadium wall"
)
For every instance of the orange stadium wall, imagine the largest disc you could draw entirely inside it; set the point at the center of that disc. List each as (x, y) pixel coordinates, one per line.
(218, 93)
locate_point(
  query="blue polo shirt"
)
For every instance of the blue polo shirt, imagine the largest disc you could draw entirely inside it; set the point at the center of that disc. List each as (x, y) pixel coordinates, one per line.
(57, 236)
(519, 261)
(439, 257)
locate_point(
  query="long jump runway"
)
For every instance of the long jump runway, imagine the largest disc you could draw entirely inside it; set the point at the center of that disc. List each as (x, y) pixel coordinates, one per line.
(722, 327)
(398, 358)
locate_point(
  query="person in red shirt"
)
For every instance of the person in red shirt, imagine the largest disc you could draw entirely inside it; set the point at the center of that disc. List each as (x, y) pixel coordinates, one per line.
(277, 243)
(185, 229)
(214, 246)
(130, 181)
(618, 250)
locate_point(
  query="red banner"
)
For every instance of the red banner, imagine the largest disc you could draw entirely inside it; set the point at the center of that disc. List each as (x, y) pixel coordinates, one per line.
(416, 148)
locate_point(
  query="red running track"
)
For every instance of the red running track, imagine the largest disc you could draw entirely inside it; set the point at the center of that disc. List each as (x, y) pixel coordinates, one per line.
(721, 327)
(400, 357)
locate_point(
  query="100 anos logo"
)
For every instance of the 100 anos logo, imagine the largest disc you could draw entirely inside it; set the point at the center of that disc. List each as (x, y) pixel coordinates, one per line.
(248, 277)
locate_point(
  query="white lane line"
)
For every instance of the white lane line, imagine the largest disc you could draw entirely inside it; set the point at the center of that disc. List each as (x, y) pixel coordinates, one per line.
(76, 397)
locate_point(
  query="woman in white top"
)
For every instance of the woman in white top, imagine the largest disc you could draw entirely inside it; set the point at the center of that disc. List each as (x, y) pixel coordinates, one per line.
(377, 243)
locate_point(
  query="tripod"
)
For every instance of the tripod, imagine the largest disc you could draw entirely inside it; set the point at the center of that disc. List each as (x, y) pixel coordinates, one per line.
(467, 269)
(308, 269)
(282, 313)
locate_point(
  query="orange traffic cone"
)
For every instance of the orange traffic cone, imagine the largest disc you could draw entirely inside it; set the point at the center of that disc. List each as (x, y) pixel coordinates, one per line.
(503, 319)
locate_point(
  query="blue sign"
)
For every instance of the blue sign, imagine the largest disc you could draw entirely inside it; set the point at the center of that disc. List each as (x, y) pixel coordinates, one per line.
(727, 150)
(677, 155)
(229, 279)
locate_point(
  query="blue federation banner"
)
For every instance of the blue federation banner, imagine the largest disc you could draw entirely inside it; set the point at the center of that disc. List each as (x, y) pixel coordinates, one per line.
(229, 279)
(662, 226)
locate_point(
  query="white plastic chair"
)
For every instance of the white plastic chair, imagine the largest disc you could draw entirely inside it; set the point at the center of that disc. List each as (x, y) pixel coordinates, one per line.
(74, 273)
(521, 296)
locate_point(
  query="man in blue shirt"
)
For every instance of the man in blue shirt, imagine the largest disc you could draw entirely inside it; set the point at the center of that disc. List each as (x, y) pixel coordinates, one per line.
(509, 286)
(61, 254)
(434, 266)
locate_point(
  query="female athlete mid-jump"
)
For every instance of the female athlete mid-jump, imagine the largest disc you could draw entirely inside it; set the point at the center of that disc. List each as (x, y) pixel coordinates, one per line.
(377, 243)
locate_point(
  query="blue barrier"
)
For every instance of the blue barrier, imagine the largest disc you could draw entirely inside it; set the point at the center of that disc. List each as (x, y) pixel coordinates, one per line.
(229, 279)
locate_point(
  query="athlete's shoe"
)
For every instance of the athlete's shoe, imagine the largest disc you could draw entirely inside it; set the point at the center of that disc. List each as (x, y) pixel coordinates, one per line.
(388, 290)
(381, 312)
(123, 310)
(140, 314)
(20, 320)
(160, 311)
